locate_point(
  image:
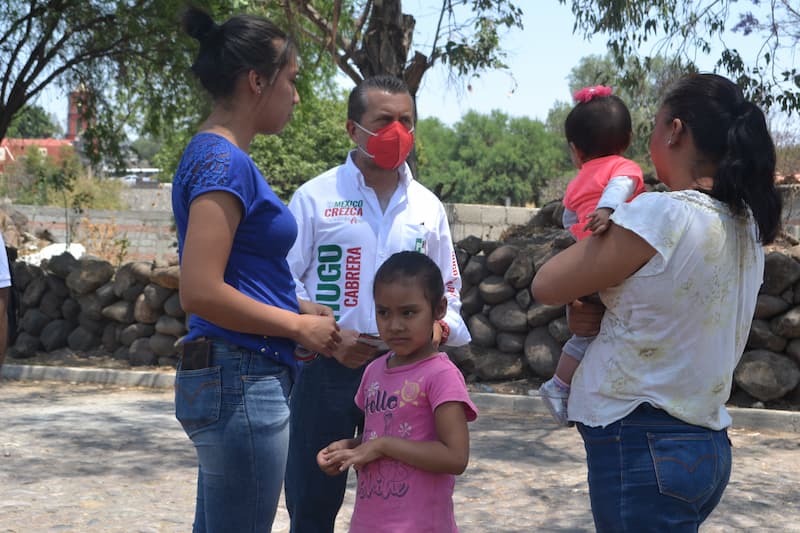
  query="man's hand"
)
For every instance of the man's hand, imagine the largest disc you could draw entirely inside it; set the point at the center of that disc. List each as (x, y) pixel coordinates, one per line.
(436, 339)
(584, 318)
(599, 220)
(350, 352)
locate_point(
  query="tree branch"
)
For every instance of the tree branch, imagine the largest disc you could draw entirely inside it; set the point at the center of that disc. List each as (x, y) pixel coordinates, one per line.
(318, 20)
(359, 25)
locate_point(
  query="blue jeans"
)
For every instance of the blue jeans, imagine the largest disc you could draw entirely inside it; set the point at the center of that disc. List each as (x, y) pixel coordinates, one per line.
(653, 472)
(323, 410)
(236, 412)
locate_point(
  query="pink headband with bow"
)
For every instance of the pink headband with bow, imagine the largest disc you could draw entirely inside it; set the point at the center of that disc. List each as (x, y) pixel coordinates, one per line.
(587, 93)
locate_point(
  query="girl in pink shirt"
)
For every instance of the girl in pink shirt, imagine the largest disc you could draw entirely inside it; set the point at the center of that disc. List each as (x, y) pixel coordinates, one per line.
(598, 130)
(416, 408)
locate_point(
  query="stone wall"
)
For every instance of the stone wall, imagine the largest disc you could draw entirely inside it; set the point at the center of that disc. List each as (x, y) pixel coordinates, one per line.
(149, 228)
(149, 234)
(513, 336)
(133, 312)
(149, 231)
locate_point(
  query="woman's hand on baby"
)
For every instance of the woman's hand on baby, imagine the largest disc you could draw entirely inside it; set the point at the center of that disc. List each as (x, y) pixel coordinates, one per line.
(319, 334)
(584, 318)
(599, 220)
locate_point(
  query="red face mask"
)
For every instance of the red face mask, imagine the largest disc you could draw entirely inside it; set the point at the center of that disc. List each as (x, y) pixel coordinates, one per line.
(389, 146)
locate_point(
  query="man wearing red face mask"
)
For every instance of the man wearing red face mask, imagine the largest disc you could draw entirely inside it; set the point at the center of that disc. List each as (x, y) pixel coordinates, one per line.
(350, 220)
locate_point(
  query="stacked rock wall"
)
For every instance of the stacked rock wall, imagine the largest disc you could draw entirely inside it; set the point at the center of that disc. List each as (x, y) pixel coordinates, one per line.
(515, 337)
(133, 312)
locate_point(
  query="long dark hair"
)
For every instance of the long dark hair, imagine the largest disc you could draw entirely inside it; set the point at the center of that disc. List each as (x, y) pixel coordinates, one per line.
(733, 133)
(227, 50)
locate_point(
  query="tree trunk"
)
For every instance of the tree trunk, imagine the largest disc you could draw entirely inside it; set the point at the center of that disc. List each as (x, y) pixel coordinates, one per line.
(386, 44)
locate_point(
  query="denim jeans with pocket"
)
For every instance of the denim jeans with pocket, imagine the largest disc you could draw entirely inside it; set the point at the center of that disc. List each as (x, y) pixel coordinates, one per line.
(323, 410)
(653, 472)
(236, 412)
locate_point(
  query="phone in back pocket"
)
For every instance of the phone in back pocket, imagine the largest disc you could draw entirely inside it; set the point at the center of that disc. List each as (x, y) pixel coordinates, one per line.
(195, 355)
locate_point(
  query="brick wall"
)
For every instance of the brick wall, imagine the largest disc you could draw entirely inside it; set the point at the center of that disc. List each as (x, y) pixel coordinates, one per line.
(150, 234)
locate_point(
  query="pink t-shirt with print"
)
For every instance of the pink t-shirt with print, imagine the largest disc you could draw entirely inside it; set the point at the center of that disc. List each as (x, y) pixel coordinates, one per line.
(400, 402)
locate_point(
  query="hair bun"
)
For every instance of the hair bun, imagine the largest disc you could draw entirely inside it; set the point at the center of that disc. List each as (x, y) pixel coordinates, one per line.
(199, 24)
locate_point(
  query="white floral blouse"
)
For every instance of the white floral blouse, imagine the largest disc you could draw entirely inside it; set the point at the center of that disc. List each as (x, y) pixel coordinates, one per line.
(674, 331)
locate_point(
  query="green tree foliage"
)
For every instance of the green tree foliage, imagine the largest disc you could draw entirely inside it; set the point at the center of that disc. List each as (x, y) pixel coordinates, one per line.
(145, 148)
(38, 179)
(640, 89)
(488, 159)
(692, 26)
(33, 122)
(100, 45)
(366, 37)
(131, 60)
(314, 141)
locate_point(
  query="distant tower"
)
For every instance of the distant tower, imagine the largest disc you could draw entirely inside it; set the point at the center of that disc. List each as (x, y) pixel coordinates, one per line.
(75, 126)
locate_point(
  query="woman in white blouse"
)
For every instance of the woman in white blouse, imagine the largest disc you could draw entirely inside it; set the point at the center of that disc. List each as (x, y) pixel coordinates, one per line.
(679, 274)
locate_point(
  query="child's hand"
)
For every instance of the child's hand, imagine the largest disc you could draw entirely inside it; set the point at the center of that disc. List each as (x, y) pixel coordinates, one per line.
(599, 220)
(356, 457)
(326, 463)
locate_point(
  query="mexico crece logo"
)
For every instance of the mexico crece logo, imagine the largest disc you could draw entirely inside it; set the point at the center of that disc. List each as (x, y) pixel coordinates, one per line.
(344, 208)
(339, 274)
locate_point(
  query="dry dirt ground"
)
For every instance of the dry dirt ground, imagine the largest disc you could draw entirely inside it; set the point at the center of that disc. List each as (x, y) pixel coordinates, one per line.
(99, 459)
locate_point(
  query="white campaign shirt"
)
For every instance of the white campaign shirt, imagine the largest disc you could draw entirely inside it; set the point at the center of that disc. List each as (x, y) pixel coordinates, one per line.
(5, 272)
(343, 237)
(674, 331)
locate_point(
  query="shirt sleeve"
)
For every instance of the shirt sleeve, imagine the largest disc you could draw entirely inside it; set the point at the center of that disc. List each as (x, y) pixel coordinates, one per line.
(299, 257)
(658, 219)
(569, 217)
(444, 255)
(618, 190)
(448, 386)
(218, 166)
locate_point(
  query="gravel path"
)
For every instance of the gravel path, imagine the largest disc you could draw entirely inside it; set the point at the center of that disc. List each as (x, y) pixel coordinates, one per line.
(92, 458)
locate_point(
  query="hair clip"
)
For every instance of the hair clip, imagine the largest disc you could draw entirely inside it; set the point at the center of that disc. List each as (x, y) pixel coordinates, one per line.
(587, 93)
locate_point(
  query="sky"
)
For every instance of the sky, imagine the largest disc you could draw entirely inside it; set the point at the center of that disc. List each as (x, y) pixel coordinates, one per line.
(539, 57)
(540, 76)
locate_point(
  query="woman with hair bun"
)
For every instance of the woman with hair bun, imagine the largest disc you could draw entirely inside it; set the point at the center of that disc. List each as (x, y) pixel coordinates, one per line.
(679, 274)
(237, 361)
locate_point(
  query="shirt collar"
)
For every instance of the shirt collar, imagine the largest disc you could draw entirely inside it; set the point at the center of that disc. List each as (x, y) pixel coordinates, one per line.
(404, 170)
